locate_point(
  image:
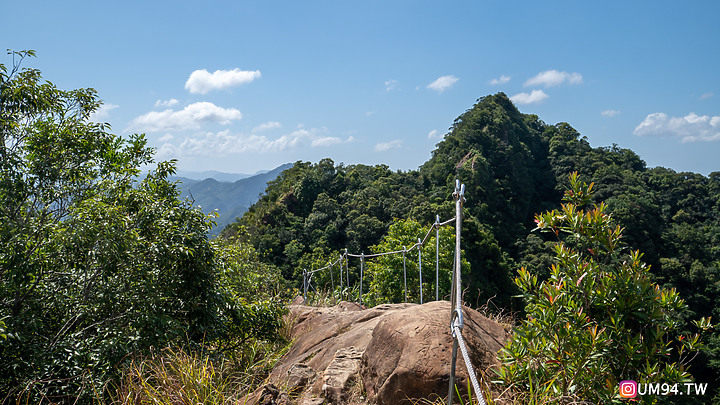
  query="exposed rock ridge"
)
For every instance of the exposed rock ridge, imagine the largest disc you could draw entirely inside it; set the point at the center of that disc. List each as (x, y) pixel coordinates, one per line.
(389, 354)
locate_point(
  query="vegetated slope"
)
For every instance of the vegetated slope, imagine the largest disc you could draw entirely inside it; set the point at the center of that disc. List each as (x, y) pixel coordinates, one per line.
(313, 210)
(502, 157)
(513, 165)
(229, 199)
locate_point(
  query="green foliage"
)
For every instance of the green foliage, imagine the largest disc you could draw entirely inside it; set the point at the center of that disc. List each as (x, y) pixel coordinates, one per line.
(312, 212)
(513, 165)
(253, 304)
(176, 376)
(598, 319)
(387, 279)
(501, 157)
(95, 265)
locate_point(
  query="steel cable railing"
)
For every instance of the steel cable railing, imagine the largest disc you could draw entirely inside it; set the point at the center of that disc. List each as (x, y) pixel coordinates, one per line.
(456, 315)
(307, 275)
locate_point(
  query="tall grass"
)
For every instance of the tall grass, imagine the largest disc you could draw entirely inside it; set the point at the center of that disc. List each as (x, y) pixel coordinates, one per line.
(175, 376)
(325, 297)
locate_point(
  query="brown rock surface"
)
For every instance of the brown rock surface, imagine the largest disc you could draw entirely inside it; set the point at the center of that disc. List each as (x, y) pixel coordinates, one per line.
(409, 354)
(298, 377)
(340, 374)
(402, 350)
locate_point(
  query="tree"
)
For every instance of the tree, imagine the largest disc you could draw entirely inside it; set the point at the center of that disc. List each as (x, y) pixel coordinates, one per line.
(387, 279)
(96, 265)
(598, 319)
(50, 158)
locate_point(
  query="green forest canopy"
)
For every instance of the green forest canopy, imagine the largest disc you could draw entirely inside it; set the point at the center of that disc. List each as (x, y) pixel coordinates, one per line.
(514, 165)
(97, 266)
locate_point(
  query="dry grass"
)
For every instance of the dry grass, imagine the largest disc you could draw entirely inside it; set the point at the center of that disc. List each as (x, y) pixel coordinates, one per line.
(501, 316)
(175, 376)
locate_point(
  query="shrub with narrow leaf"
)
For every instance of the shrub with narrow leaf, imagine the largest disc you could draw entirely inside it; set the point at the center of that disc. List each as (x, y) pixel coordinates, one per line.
(599, 318)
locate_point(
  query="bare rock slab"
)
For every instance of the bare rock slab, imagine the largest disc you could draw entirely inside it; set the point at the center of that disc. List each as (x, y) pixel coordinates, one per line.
(409, 355)
(299, 376)
(341, 374)
(387, 355)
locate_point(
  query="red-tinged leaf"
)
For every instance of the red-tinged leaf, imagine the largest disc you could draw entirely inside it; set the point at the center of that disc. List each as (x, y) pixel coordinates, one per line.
(581, 279)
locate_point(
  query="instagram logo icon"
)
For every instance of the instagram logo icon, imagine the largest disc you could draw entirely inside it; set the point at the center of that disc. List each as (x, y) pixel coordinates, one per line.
(628, 389)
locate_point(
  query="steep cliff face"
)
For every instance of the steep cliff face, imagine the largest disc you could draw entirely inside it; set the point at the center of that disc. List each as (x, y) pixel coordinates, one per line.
(389, 354)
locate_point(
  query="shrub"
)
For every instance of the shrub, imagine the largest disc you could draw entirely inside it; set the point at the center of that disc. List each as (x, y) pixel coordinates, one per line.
(598, 319)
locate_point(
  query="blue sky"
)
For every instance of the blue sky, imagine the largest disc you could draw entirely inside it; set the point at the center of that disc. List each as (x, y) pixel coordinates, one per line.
(245, 86)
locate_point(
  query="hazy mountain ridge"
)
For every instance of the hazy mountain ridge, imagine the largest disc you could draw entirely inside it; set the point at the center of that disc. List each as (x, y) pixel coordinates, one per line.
(229, 199)
(224, 177)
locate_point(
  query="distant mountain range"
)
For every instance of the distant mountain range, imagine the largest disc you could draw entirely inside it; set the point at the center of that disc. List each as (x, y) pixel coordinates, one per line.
(229, 193)
(214, 174)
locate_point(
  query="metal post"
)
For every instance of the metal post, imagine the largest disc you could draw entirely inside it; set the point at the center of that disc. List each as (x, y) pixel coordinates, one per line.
(453, 358)
(420, 268)
(405, 272)
(458, 226)
(305, 286)
(341, 284)
(347, 271)
(455, 295)
(437, 257)
(332, 283)
(362, 268)
(453, 363)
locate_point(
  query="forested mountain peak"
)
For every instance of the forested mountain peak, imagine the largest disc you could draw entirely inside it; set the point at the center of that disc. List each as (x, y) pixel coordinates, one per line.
(502, 157)
(492, 122)
(513, 166)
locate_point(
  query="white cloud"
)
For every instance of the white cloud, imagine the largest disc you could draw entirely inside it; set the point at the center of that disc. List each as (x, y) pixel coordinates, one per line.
(326, 141)
(386, 146)
(166, 103)
(102, 112)
(500, 80)
(706, 96)
(535, 96)
(390, 85)
(442, 83)
(165, 138)
(190, 117)
(610, 113)
(167, 151)
(202, 81)
(267, 126)
(434, 134)
(690, 128)
(225, 143)
(553, 77)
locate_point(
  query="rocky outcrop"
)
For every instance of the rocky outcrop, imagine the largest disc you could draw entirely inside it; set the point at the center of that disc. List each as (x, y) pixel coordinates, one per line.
(299, 376)
(340, 375)
(410, 352)
(389, 354)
